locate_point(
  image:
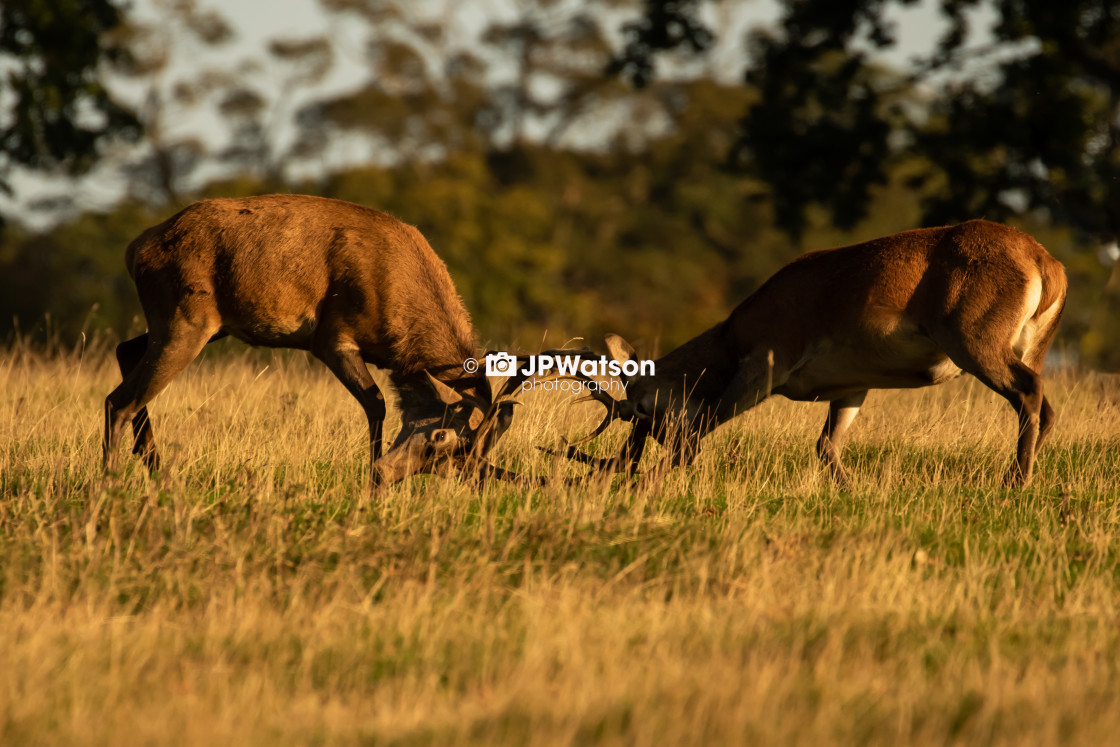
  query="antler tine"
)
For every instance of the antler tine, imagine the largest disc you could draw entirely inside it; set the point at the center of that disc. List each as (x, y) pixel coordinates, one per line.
(610, 418)
(486, 471)
(569, 351)
(571, 452)
(516, 379)
(596, 395)
(507, 392)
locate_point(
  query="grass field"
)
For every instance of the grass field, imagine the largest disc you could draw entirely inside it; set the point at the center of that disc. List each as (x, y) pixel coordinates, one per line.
(252, 594)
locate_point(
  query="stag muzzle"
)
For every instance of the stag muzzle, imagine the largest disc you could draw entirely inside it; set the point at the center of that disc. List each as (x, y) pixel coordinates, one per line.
(420, 452)
(443, 448)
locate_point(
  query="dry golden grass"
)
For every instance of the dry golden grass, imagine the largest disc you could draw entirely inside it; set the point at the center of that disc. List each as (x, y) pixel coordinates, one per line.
(252, 595)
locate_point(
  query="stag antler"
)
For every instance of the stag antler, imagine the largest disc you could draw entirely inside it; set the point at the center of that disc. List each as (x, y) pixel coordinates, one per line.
(617, 409)
(506, 396)
(613, 414)
(506, 393)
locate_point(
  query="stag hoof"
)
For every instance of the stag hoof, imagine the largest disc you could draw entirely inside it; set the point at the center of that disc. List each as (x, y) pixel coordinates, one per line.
(150, 457)
(839, 479)
(1015, 478)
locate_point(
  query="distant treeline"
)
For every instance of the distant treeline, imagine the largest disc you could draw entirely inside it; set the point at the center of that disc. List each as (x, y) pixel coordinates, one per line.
(573, 182)
(656, 243)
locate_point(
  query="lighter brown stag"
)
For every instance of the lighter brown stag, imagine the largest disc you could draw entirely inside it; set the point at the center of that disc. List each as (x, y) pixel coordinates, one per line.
(349, 284)
(907, 310)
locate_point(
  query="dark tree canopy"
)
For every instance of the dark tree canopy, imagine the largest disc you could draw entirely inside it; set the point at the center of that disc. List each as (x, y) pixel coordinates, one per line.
(666, 25)
(55, 110)
(1042, 133)
(1048, 134)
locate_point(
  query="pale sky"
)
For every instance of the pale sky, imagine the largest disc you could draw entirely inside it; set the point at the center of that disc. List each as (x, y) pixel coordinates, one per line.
(256, 22)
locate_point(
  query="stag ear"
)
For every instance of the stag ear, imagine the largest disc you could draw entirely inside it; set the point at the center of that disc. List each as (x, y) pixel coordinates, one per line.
(620, 350)
(446, 394)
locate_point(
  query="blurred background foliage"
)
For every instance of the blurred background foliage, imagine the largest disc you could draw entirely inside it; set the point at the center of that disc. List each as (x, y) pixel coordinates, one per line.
(625, 166)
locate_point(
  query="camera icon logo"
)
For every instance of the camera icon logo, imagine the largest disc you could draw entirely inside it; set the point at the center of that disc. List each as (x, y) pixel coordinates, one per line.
(500, 364)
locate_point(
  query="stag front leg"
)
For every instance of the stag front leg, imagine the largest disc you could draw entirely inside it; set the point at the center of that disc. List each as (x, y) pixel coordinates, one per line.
(841, 413)
(681, 442)
(631, 455)
(345, 362)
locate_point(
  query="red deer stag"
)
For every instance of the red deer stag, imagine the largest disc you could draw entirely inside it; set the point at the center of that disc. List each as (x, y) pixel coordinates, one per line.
(908, 310)
(349, 284)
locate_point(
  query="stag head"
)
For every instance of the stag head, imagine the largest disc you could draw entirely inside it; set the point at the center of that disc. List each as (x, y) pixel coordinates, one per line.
(445, 427)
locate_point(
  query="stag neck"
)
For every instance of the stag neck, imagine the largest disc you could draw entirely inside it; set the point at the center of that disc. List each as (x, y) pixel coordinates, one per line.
(415, 391)
(705, 364)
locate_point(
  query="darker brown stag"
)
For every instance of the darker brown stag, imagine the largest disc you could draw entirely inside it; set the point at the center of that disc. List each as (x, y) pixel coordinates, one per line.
(908, 310)
(349, 284)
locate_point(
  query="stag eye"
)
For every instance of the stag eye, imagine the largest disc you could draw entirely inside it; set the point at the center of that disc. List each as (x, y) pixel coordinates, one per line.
(441, 437)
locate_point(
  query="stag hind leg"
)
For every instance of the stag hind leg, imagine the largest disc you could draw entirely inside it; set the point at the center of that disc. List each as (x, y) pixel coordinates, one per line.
(148, 364)
(129, 354)
(1008, 376)
(1025, 395)
(1014, 376)
(1034, 358)
(841, 413)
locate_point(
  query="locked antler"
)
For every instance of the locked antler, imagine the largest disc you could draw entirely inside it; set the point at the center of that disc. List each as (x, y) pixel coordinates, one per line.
(491, 427)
